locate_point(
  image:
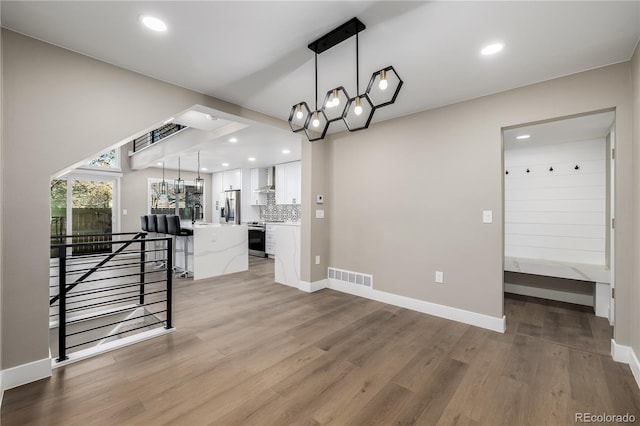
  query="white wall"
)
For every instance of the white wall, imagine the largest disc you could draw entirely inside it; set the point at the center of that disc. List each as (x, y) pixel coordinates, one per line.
(557, 215)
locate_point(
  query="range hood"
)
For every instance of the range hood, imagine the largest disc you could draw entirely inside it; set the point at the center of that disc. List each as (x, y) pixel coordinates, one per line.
(270, 187)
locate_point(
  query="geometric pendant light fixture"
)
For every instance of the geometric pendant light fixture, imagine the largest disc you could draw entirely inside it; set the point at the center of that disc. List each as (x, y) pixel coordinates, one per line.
(356, 112)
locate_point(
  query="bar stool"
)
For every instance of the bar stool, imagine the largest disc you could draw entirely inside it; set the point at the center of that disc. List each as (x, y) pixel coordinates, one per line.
(173, 225)
(162, 231)
(152, 226)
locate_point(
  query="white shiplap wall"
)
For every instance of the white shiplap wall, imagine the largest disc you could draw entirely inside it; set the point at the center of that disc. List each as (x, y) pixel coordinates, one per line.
(557, 215)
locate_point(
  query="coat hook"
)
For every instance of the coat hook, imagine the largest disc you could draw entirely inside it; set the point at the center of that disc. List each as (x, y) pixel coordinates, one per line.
(577, 167)
(528, 170)
(551, 168)
(507, 172)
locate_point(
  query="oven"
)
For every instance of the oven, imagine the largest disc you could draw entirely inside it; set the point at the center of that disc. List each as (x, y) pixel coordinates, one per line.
(257, 238)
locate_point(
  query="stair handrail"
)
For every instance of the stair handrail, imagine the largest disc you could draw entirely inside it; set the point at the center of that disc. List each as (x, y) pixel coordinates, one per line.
(71, 286)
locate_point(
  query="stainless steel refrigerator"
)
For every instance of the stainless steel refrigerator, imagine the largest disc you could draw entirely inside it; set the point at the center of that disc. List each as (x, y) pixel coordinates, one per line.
(230, 210)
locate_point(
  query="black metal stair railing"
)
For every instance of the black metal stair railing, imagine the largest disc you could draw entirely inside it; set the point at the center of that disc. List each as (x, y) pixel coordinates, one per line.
(99, 297)
(156, 135)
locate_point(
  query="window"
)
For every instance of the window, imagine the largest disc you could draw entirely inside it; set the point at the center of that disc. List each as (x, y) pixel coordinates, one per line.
(188, 206)
(107, 160)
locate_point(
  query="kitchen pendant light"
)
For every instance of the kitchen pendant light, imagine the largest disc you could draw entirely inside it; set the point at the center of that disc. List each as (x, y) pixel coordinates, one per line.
(163, 185)
(178, 184)
(357, 112)
(199, 189)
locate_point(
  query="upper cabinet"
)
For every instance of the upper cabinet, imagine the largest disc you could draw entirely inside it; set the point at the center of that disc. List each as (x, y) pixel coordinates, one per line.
(258, 180)
(232, 179)
(288, 185)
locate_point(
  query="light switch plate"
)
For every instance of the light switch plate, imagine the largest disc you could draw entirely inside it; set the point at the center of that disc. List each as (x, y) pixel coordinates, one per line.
(439, 278)
(487, 216)
(319, 199)
(319, 214)
(124, 212)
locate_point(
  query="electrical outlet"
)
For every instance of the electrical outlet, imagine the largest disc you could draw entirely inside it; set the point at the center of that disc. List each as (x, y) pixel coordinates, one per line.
(317, 260)
(439, 277)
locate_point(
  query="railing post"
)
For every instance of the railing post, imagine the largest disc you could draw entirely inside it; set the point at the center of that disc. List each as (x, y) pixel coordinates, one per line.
(169, 283)
(62, 308)
(143, 260)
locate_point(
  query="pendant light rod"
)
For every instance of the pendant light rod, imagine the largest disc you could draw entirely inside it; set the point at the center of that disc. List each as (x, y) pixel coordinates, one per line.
(198, 164)
(178, 168)
(357, 67)
(316, 56)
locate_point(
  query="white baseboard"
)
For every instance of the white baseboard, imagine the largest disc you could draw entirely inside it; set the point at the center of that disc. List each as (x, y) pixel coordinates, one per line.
(314, 286)
(110, 346)
(546, 293)
(455, 314)
(26, 373)
(626, 355)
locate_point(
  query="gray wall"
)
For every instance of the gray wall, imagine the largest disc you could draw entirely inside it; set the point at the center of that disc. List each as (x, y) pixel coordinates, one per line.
(408, 194)
(1, 198)
(315, 232)
(635, 299)
(60, 107)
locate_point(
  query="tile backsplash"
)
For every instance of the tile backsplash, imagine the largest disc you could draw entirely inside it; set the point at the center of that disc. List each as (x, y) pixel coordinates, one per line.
(279, 212)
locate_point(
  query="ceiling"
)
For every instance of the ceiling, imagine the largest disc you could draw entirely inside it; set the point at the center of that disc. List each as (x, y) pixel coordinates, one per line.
(581, 128)
(254, 54)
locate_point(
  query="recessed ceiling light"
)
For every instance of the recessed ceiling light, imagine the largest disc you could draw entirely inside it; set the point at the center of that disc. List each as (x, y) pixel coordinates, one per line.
(251, 159)
(521, 137)
(492, 49)
(233, 140)
(286, 151)
(210, 117)
(153, 23)
(159, 164)
(225, 164)
(204, 169)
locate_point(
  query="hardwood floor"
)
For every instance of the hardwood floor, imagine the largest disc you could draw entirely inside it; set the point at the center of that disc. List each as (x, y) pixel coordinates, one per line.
(250, 352)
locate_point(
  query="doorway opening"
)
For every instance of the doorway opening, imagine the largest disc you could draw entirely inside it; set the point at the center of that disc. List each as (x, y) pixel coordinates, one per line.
(558, 180)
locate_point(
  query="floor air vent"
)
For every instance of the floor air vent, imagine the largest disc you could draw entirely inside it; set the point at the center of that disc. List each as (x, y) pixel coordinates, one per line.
(351, 277)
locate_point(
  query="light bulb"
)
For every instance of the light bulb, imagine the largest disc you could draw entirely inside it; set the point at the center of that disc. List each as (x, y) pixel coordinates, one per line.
(383, 80)
(316, 121)
(299, 113)
(358, 108)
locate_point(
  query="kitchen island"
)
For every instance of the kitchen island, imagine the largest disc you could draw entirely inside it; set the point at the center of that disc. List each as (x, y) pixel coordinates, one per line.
(215, 250)
(287, 253)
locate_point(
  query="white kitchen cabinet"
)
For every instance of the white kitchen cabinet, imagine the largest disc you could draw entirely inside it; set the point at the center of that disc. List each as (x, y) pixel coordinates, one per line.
(258, 180)
(232, 179)
(288, 185)
(270, 240)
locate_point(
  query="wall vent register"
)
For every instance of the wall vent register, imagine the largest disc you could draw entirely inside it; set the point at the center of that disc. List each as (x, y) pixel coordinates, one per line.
(364, 280)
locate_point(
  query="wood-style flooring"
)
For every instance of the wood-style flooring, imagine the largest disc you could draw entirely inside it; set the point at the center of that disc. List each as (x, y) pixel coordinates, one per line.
(251, 352)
